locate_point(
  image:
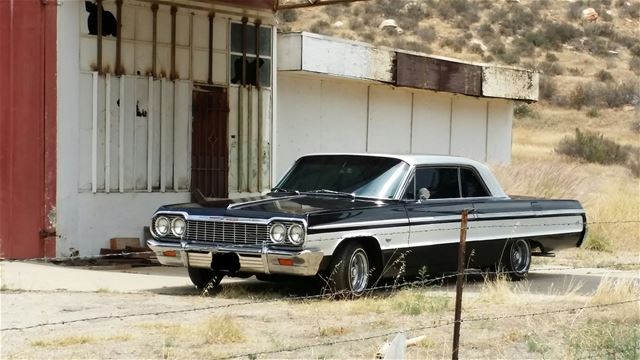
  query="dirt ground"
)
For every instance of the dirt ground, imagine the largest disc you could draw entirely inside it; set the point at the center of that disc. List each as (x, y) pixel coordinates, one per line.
(248, 317)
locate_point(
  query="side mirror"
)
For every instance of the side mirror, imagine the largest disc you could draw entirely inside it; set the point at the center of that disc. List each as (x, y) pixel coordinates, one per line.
(424, 194)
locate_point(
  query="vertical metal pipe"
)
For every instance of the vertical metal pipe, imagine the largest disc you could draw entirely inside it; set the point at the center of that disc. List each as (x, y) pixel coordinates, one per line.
(107, 134)
(163, 134)
(121, 137)
(150, 137)
(99, 42)
(210, 74)
(459, 284)
(119, 69)
(240, 137)
(244, 50)
(94, 134)
(154, 43)
(260, 141)
(174, 10)
(257, 43)
(249, 141)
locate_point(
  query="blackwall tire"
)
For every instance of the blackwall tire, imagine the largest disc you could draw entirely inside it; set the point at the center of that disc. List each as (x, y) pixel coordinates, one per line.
(350, 270)
(516, 260)
(204, 278)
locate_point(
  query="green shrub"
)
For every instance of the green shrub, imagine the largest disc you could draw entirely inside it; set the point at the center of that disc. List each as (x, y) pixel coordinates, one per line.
(524, 111)
(547, 88)
(289, 15)
(597, 242)
(604, 75)
(427, 34)
(625, 93)
(592, 147)
(551, 68)
(476, 49)
(551, 57)
(634, 64)
(594, 112)
(524, 47)
(599, 29)
(485, 31)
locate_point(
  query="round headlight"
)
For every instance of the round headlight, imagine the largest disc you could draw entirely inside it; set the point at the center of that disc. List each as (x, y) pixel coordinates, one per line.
(178, 226)
(296, 234)
(162, 225)
(278, 233)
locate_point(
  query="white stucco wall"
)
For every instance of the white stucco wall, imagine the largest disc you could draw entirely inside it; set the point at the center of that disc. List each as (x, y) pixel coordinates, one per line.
(319, 113)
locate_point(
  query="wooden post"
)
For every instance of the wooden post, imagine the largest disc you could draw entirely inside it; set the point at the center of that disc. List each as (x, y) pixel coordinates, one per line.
(119, 70)
(459, 283)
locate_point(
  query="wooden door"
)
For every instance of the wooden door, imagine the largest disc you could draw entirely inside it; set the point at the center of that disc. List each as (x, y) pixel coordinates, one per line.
(209, 151)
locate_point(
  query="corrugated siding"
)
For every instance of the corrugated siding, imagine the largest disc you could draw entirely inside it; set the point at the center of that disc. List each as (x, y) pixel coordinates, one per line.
(134, 134)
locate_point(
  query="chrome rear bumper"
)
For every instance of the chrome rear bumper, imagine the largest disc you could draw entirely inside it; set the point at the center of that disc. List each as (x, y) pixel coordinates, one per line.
(252, 259)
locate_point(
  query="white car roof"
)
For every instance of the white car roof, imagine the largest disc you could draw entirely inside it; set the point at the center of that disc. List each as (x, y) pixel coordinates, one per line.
(417, 159)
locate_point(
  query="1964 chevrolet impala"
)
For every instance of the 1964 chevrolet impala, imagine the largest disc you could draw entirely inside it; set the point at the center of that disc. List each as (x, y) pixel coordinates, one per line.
(349, 216)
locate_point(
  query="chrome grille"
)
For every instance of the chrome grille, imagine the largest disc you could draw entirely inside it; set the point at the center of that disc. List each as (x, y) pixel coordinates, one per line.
(227, 232)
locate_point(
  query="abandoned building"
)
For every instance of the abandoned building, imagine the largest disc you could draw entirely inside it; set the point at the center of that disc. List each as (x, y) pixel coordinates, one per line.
(113, 108)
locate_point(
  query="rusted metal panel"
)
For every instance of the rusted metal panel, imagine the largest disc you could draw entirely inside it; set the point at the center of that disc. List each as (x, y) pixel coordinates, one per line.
(438, 74)
(28, 121)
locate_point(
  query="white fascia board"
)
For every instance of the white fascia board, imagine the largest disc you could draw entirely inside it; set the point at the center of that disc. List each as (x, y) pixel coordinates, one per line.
(334, 57)
(510, 83)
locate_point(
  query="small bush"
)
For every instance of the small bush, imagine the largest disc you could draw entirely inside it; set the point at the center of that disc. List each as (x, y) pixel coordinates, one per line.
(547, 88)
(551, 57)
(594, 112)
(597, 46)
(524, 111)
(634, 64)
(635, 49)
(476, 49)
(485, 31)
(574, 11)
(592, 147)
(427, 34)
(599, 29)
(524, 47)
(551, 68)
(632, 10)
(635, 126)
(320, 27)
(575, 71)
(604, 75)
(289, 15)
(625, 93)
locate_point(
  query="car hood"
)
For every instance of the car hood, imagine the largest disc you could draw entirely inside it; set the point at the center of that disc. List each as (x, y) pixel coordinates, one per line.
(273, 205)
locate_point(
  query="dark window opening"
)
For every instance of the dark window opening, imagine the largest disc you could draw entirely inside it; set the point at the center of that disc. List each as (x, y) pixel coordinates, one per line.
(257, 64)
(442, 183)
(472, 186)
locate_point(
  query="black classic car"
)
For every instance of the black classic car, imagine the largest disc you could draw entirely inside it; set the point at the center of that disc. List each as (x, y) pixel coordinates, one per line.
(350, 217)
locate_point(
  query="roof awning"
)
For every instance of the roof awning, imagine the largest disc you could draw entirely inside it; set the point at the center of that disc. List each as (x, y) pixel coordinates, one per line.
(313, 53)
(276, 4)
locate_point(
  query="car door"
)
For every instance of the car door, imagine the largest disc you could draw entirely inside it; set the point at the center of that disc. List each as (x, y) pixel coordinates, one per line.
(434, 206)
(495, 222)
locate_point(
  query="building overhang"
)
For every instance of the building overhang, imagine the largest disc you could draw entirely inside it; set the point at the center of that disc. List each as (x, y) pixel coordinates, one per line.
(323, 55)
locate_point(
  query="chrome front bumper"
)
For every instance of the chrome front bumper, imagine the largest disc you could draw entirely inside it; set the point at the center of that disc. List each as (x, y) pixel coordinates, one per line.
(252, 260)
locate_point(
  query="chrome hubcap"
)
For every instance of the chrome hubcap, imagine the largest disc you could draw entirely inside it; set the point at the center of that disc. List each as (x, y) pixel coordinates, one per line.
(358, 271)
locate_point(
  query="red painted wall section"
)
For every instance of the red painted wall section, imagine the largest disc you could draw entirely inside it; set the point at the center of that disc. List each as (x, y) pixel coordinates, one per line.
(27, 127)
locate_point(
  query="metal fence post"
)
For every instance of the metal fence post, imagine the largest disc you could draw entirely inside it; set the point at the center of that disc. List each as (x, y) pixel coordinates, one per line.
(459, 283)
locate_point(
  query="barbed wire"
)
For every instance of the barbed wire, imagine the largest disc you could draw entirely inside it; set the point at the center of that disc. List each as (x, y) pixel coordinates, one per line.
(452, 228)
(324, 295)
(440, 323)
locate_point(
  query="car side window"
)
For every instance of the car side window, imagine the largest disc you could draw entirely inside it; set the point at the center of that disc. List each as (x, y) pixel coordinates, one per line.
(472, 186)
(441, 183)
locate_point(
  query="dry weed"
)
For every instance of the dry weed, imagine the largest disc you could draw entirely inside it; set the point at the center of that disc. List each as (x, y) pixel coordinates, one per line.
(613, 290)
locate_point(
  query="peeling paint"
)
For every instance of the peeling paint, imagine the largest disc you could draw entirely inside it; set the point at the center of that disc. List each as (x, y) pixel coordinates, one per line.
(509, 83)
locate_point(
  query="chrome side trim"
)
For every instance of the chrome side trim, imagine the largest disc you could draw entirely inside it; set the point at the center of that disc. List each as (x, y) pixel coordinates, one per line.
(363, 223)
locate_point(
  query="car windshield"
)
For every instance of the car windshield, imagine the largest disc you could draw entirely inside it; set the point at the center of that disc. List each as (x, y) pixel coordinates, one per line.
(366, 176)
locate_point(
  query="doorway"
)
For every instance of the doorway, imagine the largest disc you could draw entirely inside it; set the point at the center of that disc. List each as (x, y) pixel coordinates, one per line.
(209, 151)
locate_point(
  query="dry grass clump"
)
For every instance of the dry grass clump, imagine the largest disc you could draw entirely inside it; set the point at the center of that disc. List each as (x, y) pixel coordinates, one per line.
(615, 205)
(416, 302)
(605, 340)
(540, 179)
(77, 340)
(613, 290)
(498, 290)
(214, 330)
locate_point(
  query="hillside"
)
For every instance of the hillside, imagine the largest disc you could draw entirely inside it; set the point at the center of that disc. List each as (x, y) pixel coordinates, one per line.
(590, 80)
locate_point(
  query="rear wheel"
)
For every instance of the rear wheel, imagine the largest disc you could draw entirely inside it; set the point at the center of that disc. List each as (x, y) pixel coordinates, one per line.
(517, 259)
(204, 278)
(350, 270)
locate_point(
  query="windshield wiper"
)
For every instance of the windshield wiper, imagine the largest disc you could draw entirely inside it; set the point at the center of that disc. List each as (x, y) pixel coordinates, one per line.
(333, 192)
(277, 189)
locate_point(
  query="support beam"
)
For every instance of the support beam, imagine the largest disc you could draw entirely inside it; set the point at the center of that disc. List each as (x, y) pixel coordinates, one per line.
(174, 10)
(119, 70)
(154, 45)
(99, 42)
